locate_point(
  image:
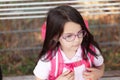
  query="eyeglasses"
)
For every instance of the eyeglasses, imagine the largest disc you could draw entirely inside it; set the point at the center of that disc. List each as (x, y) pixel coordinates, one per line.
(71, 37)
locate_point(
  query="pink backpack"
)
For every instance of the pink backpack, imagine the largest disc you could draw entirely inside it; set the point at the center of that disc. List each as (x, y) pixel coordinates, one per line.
(57, 64)
(43, 30)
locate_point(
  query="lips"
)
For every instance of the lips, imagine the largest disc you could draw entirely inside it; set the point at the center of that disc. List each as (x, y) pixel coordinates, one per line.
(76, 46)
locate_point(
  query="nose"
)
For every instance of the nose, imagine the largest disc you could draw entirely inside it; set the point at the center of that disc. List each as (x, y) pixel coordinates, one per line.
(77, 38)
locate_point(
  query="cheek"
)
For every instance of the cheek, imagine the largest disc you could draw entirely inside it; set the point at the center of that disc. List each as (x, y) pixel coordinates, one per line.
(81, 41)
(65, 43)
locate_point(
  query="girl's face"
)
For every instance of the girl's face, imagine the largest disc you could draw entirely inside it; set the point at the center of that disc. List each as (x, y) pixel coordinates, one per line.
(72, 36)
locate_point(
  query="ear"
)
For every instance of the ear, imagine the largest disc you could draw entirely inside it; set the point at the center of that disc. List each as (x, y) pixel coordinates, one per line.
(59, 39)
(56, 39)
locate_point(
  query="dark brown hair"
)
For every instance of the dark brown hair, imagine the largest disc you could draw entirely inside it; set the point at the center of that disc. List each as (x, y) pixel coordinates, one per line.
(56, 19)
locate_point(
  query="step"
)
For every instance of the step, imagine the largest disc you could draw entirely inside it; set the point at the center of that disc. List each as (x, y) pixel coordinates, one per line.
(109, 75)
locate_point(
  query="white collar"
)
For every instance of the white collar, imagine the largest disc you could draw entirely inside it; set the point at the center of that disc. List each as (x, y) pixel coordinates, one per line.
(76, 57)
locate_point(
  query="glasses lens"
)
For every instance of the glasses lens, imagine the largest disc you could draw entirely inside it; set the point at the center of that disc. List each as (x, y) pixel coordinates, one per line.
(81, 34)
(69, 37)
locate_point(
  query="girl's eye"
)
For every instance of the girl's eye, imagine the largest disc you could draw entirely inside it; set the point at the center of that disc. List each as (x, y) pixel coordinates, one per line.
(80, 32)
(70, 35)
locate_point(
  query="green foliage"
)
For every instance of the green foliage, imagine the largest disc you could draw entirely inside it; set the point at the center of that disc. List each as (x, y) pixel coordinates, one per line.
(112, 58)
(17, 64)
(23, 64)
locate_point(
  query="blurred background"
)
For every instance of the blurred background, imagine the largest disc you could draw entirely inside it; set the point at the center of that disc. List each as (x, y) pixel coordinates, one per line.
(20, 31)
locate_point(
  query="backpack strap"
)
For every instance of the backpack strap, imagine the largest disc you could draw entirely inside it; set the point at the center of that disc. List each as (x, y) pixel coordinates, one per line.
(60, 63)
(53, 69)
(57, 64)
(90, 56)
(54, 66)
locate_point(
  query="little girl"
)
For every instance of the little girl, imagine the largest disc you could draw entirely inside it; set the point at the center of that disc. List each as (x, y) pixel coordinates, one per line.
(69, 51)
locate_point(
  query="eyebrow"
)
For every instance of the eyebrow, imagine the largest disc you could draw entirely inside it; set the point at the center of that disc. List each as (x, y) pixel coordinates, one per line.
(71, 33)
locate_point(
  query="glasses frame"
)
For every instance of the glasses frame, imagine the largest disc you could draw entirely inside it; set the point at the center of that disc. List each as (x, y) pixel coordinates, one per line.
(74, 35)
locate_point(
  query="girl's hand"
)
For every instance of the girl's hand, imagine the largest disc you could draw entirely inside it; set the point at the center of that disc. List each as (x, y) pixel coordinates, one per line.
(91, 74)
(68, 75)
(94, 73)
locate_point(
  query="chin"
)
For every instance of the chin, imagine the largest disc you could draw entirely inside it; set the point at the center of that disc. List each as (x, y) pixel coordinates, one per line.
(75, 48)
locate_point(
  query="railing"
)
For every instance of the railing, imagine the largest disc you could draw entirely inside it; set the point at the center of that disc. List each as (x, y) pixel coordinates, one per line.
(34, 9)
(29, 9)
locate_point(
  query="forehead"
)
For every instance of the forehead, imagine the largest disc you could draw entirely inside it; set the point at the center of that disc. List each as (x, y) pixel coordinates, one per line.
(71, 27)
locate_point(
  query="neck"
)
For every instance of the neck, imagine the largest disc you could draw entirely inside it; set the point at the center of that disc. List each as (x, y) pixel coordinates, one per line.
(69, 52)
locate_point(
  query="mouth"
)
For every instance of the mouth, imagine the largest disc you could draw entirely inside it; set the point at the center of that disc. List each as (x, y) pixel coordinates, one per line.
(76, 45)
